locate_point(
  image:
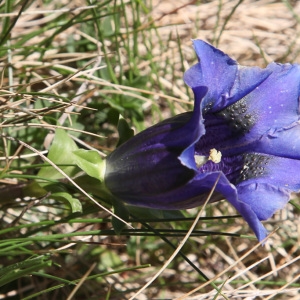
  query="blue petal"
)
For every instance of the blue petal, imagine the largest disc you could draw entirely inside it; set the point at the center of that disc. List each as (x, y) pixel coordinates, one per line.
(275, 102)
(264, 199)
(263, 184)
(266, 189)
(274, 170)
(283, 142)
(145, 164)
(157, 160)
(213, 63)
(194, 129)
(193, 194)
(246, 110)
(271, 111)
(247, 79)
(248, 212)
(236, 197)
(226, 81)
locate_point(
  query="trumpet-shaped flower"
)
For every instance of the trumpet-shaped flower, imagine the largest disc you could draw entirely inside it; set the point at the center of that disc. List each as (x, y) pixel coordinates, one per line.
(244, 133)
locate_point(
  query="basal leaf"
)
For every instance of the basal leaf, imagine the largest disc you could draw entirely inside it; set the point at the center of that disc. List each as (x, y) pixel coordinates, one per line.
(73, 202)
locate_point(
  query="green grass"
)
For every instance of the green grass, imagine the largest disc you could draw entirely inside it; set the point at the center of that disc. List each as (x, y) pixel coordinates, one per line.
(74, 69)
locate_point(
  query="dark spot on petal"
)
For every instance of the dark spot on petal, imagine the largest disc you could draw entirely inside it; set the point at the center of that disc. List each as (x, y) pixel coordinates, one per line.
(253, 166)
(237, 116)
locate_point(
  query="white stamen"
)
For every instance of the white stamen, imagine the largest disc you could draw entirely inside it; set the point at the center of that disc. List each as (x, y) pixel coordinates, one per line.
(215, 155)
(200, 160)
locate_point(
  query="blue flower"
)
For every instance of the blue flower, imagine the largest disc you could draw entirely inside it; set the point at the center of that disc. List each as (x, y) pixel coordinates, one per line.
(244, 130)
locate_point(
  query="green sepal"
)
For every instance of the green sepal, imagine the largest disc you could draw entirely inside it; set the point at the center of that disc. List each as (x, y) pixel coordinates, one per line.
(125, 132)
(90, 162)
(121, 211)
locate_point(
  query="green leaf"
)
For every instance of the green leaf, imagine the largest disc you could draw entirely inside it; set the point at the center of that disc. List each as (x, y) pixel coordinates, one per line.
(60, 192)
(90, 162)
(23, 268)
(125, 132)
(65, 196)
(61, 153)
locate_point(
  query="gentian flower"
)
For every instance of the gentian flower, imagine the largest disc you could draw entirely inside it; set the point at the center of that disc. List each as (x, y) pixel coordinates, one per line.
(244, 131)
